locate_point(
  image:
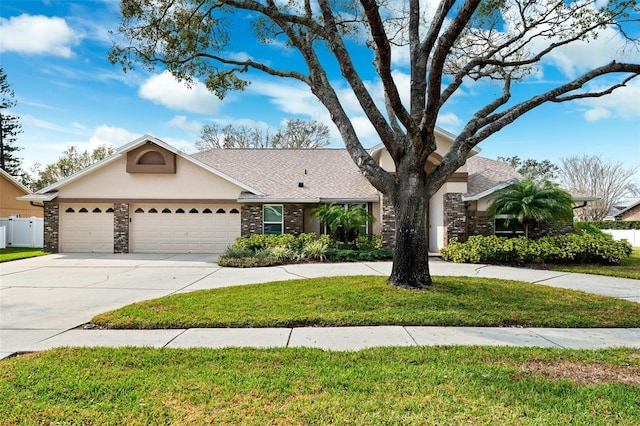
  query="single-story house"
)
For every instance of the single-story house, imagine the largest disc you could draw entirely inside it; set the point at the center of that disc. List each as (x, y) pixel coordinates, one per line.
(149, 197)
(626, 210)
(10, 190)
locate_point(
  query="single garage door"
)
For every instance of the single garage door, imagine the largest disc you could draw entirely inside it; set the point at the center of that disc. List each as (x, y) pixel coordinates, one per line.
(173, 228)
(86, 228)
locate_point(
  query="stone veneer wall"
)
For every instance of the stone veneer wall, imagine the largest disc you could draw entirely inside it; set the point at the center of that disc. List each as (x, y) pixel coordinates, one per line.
(478, 224)
(455, 217)
(251, 219)
(388, 225)
(293, 219)
(51, 227)
(121, 228)
(546, 229)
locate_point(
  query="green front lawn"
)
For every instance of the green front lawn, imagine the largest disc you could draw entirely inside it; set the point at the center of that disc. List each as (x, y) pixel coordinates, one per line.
(390, 386)
(629, 268)
(14, 253)
(366, 300)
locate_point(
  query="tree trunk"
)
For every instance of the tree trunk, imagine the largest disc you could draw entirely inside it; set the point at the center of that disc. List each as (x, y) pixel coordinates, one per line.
(411, 256)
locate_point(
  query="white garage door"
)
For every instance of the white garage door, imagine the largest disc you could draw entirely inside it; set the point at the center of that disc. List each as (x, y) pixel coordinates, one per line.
(173, 228)
(86, 228)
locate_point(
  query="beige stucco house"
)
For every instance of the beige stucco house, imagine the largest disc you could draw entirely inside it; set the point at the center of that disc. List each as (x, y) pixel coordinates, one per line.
(149, 197)
(10, 190)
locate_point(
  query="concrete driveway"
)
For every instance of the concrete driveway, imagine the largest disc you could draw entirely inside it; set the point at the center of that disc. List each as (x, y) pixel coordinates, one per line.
(45, 296)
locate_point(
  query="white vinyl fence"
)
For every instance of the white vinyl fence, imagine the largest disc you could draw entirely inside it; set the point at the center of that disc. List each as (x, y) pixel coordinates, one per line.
(17, 232)
(631, 235)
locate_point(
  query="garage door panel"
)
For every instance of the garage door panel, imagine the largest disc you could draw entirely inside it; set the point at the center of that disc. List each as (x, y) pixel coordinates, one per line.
(86, 228)
(189, 232)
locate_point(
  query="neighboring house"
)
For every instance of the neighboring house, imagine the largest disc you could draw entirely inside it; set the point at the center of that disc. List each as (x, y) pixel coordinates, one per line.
(626, 211)
(10, 189)
(149, 197)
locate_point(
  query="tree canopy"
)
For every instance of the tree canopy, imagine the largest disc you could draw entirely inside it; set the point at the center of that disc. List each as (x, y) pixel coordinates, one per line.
(592, 175)
(295, 134)
(538, 170)
(72, 160)
(446, 45)
(10, 128)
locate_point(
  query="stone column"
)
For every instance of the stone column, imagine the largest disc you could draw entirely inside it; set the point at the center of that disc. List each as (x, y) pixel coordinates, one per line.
(455, 218)
(293, 219)
(51, 227)
(121, 228)
(251, 219)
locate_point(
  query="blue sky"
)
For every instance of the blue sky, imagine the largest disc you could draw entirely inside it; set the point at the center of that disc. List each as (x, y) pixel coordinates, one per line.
(55, 55)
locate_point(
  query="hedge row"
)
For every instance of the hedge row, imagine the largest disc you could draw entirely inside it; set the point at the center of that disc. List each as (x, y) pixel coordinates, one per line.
(617, 224)
(270, 250)
(561, 249)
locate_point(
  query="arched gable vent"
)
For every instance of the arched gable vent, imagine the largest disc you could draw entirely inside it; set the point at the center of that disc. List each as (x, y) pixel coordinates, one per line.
(151, 158)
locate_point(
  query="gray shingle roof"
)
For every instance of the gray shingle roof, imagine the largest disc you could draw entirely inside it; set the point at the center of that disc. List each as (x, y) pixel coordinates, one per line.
(485, 174)
(326, 173)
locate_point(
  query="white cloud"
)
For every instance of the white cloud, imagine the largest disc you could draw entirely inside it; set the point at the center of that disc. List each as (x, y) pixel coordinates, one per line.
(181, 122)
(37, 35)
(163, 89)
(581, 56)
(596, 114)
(623, 102)
(108, 135)
(449, 120)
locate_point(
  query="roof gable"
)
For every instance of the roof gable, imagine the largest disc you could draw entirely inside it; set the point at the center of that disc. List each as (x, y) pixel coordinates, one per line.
(7, 177)
(123, 150)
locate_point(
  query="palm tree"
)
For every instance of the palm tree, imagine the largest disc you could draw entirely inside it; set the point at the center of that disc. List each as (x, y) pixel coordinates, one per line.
(344, 224)
(529, 202)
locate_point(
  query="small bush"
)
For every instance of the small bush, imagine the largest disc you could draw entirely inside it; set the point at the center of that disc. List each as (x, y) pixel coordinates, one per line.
(315, 250)
(583, 228)
(369, 242)
(586, 248)
(345, 255)
(248, 262)
(235, 251)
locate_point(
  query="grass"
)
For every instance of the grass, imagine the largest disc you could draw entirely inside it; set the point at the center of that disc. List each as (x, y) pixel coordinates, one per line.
(366, 300)
(629, 268)
(390, 386)
(15, 253)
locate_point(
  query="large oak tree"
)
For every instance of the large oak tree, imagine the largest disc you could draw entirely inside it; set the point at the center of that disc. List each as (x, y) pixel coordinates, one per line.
(454, 42)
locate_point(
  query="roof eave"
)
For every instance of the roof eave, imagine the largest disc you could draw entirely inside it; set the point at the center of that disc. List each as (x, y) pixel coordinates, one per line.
(38, 198)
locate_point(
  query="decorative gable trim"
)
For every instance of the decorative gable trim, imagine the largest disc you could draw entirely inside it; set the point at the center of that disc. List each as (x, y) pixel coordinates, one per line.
(151, 158)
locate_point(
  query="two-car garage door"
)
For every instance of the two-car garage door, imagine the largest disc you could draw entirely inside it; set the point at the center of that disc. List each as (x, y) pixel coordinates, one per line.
(153, 228)
(157, 228)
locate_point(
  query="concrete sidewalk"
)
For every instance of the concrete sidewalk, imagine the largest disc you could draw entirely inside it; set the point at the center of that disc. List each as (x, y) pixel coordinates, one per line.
(43, 300)
(347, 338)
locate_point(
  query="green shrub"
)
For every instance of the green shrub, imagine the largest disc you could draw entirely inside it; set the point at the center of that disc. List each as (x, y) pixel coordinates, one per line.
(586, 248)
(315, 250)
(236, 251)
(281, 253)
(582, 228)
(346, 255)
(617, 224)
(248, 262)
(369, 242)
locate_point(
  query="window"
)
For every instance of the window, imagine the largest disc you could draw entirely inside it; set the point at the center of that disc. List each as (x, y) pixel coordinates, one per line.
(207, 211)
(139, 210)
(234, 211)
(83, 210)
(272, 219)
(504, 229)
(152, 210)
(97, 210)
(69, 210)
(193, 211)
(220, 211)
(180, 211)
